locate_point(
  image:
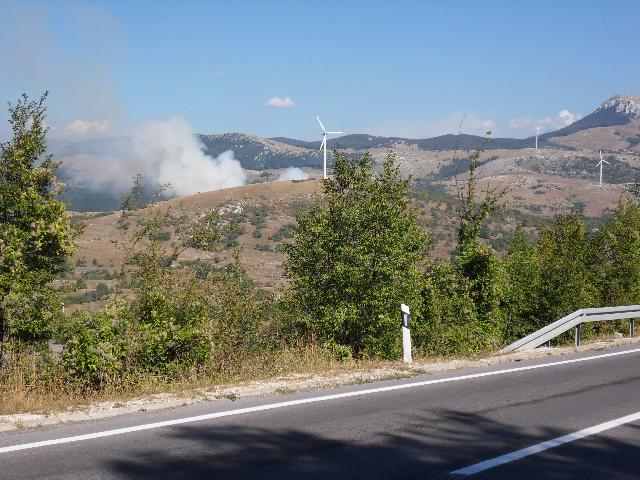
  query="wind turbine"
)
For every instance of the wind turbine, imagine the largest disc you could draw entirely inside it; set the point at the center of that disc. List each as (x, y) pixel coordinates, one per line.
(323, 145)
(537, 133)
(602, 160)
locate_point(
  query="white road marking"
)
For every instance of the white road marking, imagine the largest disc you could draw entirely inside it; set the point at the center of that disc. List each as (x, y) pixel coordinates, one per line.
(541, 447)
(292, 403)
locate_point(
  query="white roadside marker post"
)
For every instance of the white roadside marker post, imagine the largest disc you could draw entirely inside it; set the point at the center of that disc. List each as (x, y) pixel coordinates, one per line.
(406, 333)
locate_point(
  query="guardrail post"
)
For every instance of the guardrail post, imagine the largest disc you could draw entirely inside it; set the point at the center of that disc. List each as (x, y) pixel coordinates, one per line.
(406, 333)
(578, 331)
(632, 327)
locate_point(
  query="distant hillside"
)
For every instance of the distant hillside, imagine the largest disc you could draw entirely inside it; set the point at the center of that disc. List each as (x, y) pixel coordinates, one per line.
(618, 110)
(258, 153)
(443, 142)
(357, 141)
(613, 127)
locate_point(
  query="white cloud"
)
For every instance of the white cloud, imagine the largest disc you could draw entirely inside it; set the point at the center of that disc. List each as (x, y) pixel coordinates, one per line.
(279, 102)
(546, 124)
(83, 128)
(293, 173)
(568, 117)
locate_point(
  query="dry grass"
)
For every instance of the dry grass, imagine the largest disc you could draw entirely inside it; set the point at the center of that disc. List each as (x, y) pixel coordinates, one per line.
(263, 267)
(23, 387)
(609, 138)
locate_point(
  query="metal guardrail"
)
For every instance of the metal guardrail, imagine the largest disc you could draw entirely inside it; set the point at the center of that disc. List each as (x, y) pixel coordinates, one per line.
(575, 320)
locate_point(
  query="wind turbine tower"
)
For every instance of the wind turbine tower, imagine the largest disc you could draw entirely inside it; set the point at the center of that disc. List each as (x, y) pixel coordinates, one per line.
(537, 133)
(323, 145)
(602, 160)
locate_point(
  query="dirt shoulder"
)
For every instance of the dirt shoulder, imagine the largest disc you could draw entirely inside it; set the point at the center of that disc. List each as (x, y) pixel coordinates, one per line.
(288, 384)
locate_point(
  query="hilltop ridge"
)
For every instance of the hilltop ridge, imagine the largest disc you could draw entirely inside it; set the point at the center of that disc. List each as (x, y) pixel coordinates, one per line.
(620, 109)
(614, 126)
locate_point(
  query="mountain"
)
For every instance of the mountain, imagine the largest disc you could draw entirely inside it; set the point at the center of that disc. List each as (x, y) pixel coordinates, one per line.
(361, 141)
(613, 126)
(258, 153)
(620, 109)
(568, 153)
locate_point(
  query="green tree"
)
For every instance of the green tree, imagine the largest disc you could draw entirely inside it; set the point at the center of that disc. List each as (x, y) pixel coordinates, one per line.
(449, 320)
(36, 236)
(486, 279)
(476, 261)
(523, 286)
(355, 257)
(565, 254)
(474, 213)
(618, 264)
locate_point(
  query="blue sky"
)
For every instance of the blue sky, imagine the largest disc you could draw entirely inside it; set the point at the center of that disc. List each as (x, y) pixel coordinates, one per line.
(407, 68)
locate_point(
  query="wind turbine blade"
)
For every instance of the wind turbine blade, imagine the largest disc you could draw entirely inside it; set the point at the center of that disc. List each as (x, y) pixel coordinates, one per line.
(336, 133)
(321, 125)
(324, 140)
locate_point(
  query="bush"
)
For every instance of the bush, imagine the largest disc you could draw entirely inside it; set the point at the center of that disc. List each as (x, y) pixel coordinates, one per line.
(286, 231)
(102, 290)
(564, 253)
(355, 258)
(178, 324)
(449, 323)
(617, 266)
(522, 289)
(95, 350)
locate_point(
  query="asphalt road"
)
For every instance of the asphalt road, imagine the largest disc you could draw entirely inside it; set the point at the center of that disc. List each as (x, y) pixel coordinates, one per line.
(394, 429)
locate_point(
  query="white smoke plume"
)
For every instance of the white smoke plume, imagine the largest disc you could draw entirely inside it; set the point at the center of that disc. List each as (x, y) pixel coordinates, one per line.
(293, 173)
(88, 107)
(164, 152)
(168, 152)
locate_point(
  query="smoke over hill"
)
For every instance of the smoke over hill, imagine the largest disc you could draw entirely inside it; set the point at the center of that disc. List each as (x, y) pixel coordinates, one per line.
(165, 152)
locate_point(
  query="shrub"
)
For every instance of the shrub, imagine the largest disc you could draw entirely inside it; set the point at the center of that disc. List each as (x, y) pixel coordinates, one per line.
(355, 257)
(95, 349)
(448, 323)
(102, 290)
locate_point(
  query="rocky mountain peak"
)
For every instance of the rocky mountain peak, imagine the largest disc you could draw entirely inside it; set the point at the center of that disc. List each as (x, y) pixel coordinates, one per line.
(628, 105)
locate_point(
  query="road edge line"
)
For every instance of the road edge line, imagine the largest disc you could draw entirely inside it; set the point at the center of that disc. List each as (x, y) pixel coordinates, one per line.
(303, 401)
